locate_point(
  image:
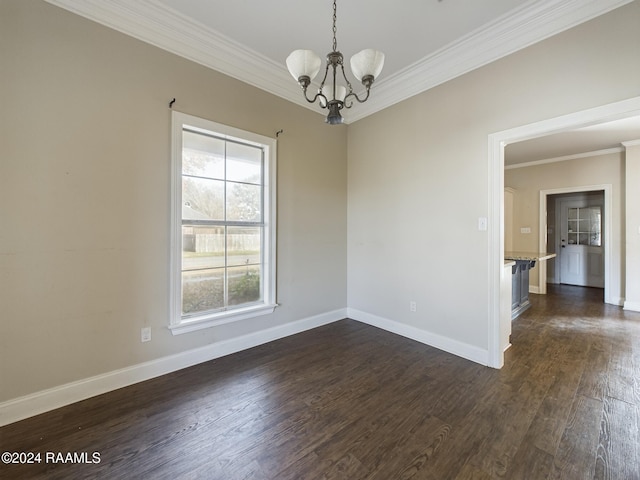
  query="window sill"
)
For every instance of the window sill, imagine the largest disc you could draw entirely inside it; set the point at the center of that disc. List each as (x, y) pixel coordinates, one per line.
(208, 321)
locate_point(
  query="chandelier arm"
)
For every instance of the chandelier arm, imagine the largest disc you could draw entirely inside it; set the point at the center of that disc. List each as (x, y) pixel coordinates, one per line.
(324, 79)
(355, 95)
(349, 89)
(316, 96)
(305, 81)
(344, 75)
(320, 94)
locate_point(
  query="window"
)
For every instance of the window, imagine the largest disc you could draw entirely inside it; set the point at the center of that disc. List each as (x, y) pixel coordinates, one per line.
(223, 224)
(585, 226)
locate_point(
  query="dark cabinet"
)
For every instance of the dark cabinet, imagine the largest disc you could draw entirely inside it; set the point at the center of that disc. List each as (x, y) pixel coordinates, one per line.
(520, 286)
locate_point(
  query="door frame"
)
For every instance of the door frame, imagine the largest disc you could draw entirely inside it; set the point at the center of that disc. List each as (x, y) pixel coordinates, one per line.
(495, 245)
(607, 232)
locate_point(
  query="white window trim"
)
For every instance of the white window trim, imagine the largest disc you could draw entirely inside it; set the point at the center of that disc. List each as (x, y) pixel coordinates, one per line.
(178, 324)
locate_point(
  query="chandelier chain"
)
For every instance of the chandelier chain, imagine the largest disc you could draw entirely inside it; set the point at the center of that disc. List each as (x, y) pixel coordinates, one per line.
(335, 16)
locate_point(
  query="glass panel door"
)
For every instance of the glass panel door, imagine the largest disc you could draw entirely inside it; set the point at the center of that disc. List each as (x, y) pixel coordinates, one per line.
(584, 226)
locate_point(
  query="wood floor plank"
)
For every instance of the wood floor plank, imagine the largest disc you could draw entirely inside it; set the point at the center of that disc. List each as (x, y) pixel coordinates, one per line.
(623, 378)
(512, 414)
(594, 382)
(410, 455)
(619, 445)
(469, 472)
(548, 425)
(576, 454)
(530, 462)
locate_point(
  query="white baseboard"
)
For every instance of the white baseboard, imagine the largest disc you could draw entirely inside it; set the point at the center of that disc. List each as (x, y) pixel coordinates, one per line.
(446, 344)
(633, 306)
(616, 301)
(50, 399)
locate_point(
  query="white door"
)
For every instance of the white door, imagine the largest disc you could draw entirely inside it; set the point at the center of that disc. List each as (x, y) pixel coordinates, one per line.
(581, 249)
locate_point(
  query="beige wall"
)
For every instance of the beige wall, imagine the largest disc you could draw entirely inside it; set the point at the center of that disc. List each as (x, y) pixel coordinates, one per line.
(84, 197)
(84, 189)
(419, 174)
(583, 172)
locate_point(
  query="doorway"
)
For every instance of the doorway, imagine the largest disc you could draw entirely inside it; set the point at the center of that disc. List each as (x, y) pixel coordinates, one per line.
(552, 202)
(576, 236)
(497, 142)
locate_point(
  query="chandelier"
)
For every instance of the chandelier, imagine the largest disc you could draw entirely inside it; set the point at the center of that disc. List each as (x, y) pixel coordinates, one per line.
(332, 94)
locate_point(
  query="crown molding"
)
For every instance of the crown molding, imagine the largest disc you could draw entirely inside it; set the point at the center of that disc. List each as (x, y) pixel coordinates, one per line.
(575, 156)
(530, 23)
(163, 27)
(168, 29)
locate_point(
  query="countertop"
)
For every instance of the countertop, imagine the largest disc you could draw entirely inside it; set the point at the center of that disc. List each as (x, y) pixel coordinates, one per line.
(531, 256)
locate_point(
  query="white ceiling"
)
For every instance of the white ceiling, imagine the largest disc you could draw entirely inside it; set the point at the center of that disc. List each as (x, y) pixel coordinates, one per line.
(565, 145)
(426, 42)
(406, 30)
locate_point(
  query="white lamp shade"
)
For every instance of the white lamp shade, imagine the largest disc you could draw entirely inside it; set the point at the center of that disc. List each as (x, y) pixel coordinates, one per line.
(303, 63)
(327, 91)
(367, 62)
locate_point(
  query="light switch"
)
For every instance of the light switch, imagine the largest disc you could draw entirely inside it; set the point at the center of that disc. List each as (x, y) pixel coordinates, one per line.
(482, 223)
(145, 334)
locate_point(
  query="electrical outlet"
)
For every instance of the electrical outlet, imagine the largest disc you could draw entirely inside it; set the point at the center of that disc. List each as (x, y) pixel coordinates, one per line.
(413, 306)
(145, 334)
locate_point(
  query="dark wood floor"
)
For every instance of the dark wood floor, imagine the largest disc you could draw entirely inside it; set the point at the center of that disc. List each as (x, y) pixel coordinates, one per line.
(349, 401)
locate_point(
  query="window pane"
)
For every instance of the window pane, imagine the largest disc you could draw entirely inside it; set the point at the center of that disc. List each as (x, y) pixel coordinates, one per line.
(202, 155)
(583, 225)
(573, 213)
(244, 284)
(243, 246)
(202, 290)
(244, 163)
(244, 202)
(202, 247)
(202, 199)
(595, 219)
